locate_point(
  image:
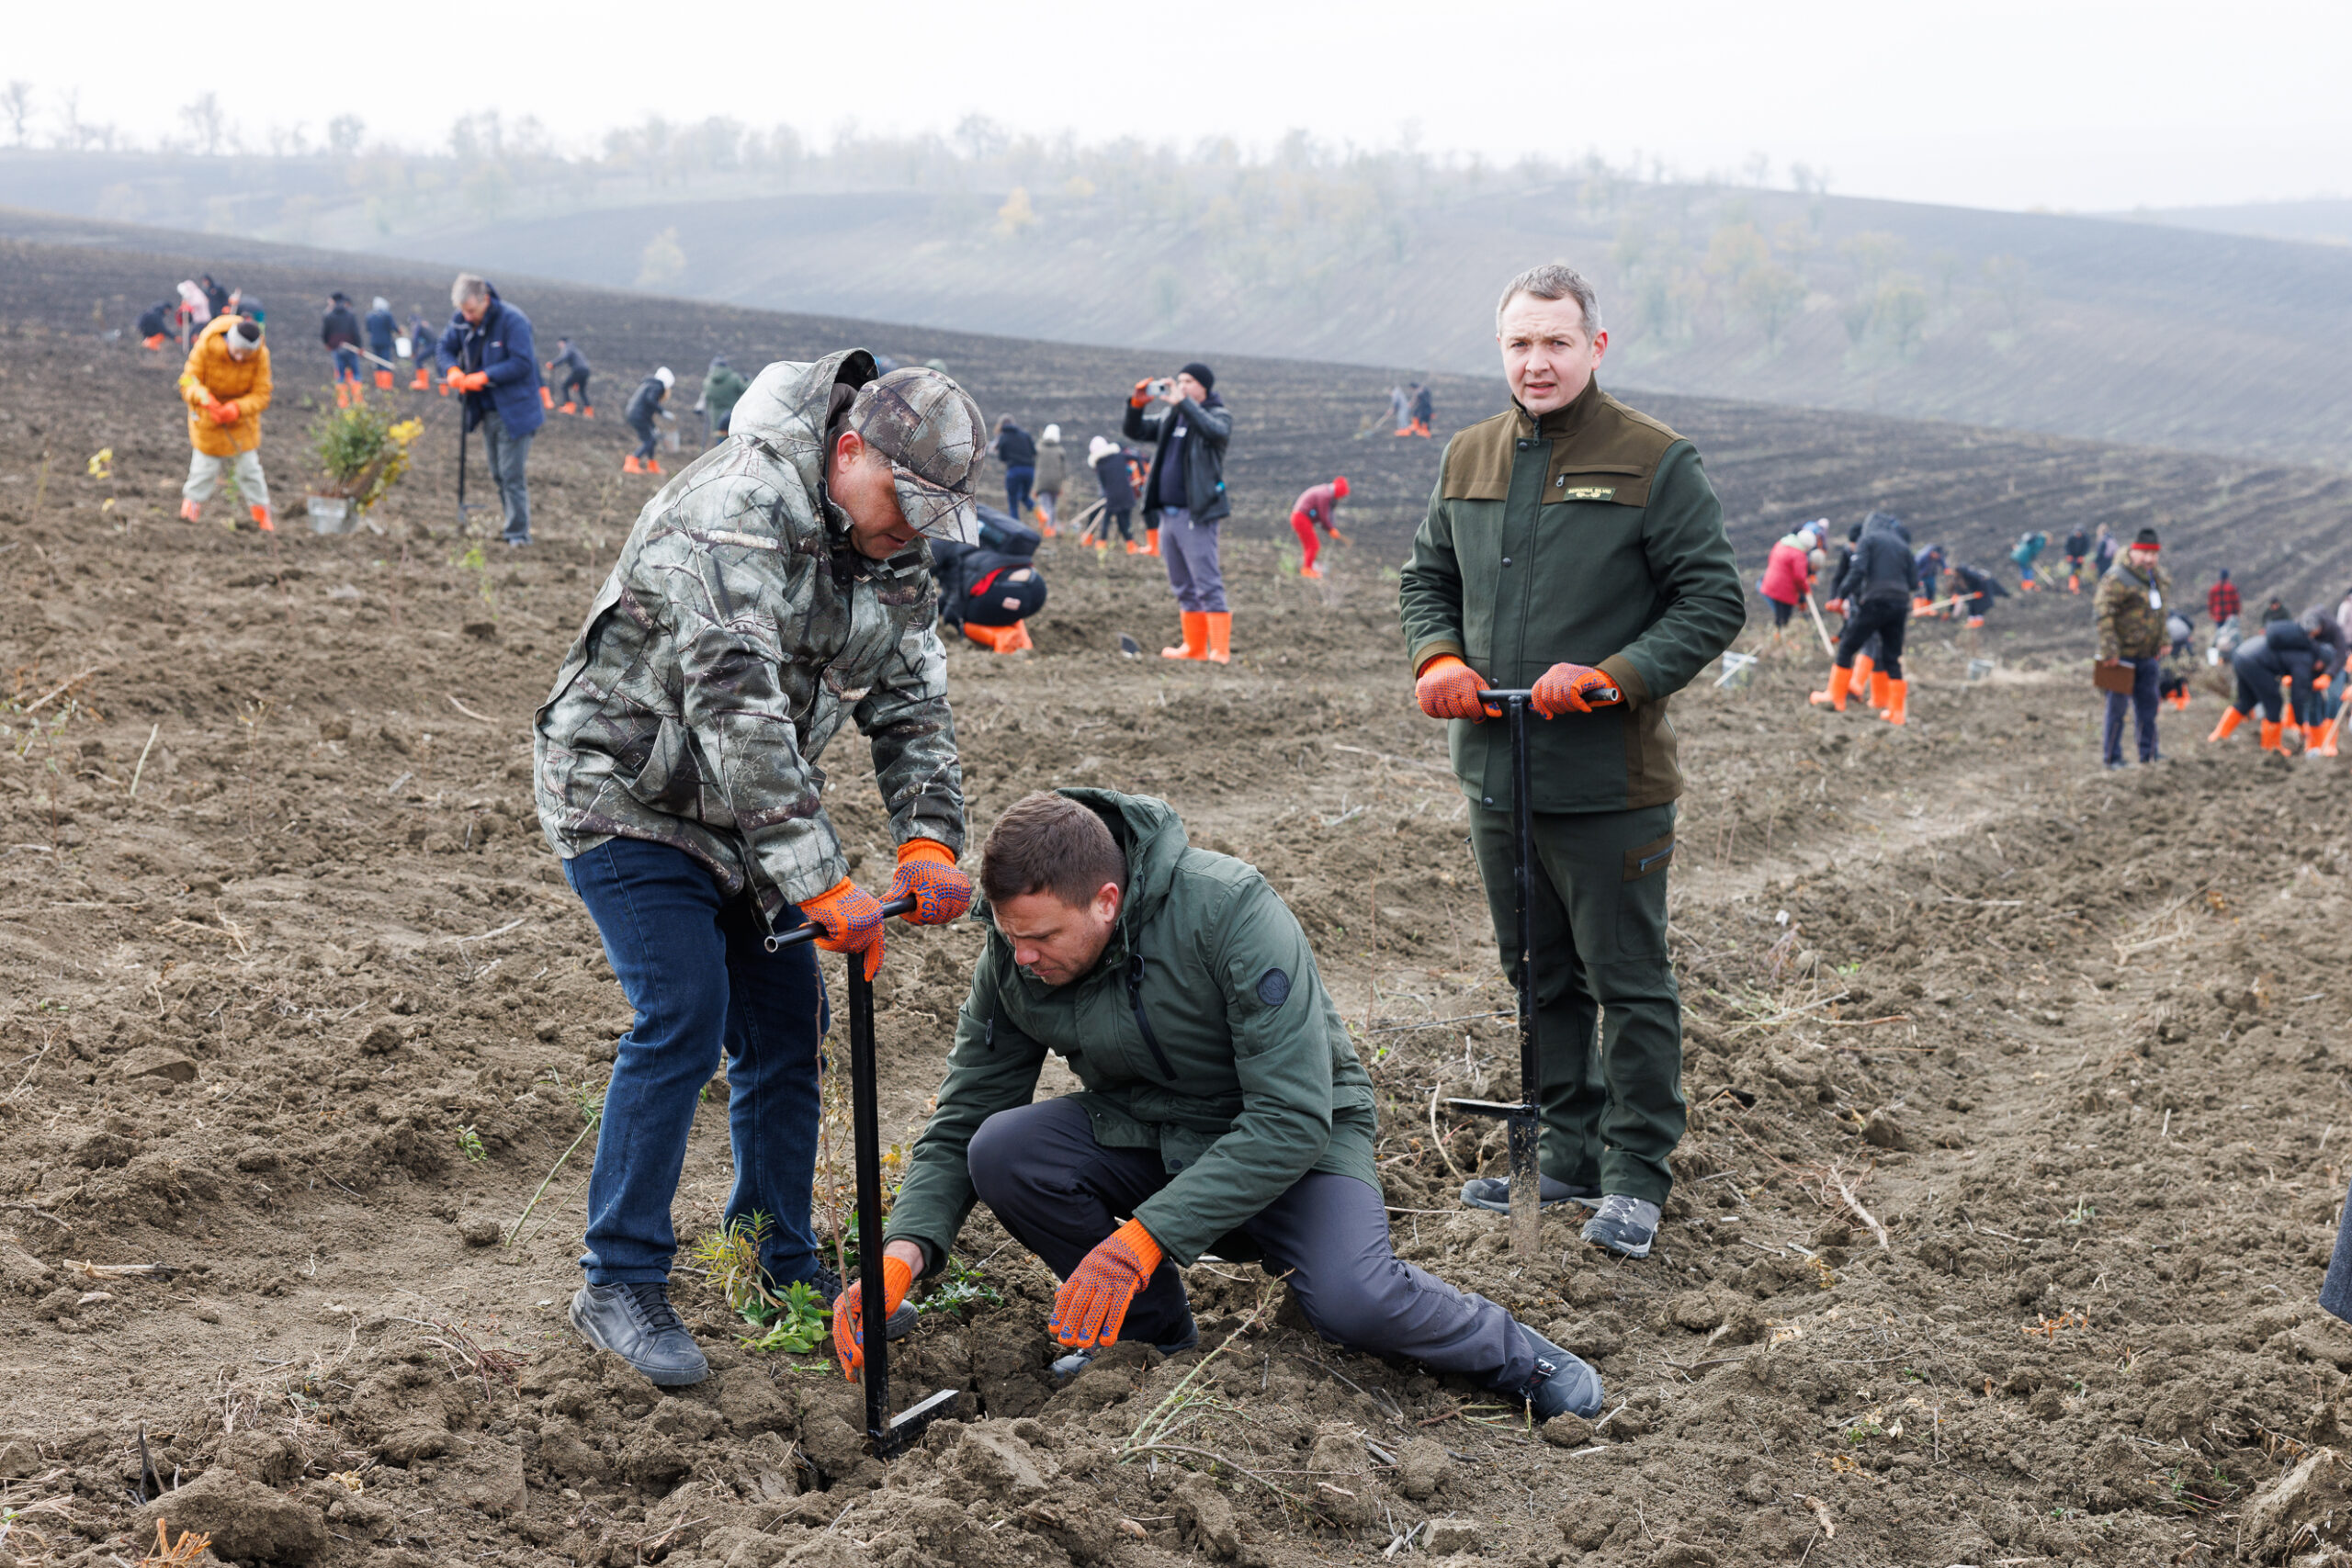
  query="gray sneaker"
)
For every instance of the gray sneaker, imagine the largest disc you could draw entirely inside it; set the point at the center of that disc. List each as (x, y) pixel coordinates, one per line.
(1561, 1384)
(1065, 1368)
(1624, 1225)
(1494, 1193)
(638, 1324)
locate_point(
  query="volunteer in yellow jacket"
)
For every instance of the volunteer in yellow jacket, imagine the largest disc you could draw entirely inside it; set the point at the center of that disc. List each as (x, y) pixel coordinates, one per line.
(226, 384)
(1574, 546)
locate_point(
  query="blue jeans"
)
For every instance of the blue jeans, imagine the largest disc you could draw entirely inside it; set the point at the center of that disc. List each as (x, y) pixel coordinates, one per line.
(1016, 491)
(2143, 702)
(510, 458)
(347, 364)
(693, 967)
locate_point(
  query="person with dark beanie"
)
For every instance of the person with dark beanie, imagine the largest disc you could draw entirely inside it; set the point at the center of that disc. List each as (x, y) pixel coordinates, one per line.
(2130, 604)
(1184, 499)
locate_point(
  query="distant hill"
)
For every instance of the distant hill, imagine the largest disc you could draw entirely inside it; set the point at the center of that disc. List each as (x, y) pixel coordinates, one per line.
(2154, 332)
(2325, 220)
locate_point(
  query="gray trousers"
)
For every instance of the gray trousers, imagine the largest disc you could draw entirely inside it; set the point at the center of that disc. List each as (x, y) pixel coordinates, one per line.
(1190, 549)
(1060, 1193)
(204, 472)
(507, 455)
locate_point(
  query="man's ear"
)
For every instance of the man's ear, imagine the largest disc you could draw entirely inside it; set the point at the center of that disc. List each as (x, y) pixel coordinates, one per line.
(1107, 899)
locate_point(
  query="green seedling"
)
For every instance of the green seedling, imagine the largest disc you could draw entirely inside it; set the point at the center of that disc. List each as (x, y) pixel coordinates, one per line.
(470, 1141)
(961, 1288)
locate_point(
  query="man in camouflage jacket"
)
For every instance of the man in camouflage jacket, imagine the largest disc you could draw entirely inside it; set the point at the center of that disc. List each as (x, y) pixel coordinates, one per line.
(775, 589)
(2132, 597)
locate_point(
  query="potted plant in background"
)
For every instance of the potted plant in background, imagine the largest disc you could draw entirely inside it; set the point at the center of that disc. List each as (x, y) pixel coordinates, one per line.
(365, 452)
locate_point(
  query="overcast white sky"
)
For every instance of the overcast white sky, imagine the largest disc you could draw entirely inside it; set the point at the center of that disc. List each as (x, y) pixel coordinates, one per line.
(2079, 104)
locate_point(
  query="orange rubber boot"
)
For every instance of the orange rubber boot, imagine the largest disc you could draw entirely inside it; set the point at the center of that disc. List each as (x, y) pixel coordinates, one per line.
(342, 394)
(546, 399)
(2074, 583)
(1899, 694)
(587, 410)
(383, 380)
(1220, 637)
(1132, 548)
(1014, 638)
(1881, 689)
(1196, 637)
(2231, 719)
(654, 466)
(1841, 680)
(190, 512)
(1863, 668)
(2327, 736)
(422, 381)
(262, 521)
(2311, 739)
(1151, 541)
(629, 465)
(2272, 728)
(569, 408)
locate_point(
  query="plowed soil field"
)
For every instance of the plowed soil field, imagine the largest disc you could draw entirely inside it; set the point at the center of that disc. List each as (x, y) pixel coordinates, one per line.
(2014, 1156)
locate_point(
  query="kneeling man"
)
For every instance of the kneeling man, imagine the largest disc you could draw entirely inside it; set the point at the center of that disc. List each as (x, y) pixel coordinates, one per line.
(1224, 1110)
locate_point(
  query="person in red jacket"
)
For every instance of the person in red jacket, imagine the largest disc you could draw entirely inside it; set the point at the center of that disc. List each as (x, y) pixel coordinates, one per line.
(2222, 599)
(1787, 572)
(1317, 506)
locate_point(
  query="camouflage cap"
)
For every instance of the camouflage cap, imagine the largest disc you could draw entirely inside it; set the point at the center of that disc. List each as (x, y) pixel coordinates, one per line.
(931, 431)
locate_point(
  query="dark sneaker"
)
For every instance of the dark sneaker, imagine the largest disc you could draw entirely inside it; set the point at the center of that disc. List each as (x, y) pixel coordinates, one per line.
(1561, 1384)
(828, 1286)
(638, 1324)
(1069, 1366)
(1494, 1193)
(1624, 1225)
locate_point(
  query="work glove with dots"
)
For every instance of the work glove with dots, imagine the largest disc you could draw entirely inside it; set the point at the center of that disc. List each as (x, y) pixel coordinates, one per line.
(927, 873)
(849, 1313)
(1449, 689)
(849, 919)
(1092, 1302)
(1573, 688)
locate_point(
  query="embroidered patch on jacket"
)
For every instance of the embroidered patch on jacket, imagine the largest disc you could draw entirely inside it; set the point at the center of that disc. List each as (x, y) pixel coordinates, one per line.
(1273, 987)
(1586, 493)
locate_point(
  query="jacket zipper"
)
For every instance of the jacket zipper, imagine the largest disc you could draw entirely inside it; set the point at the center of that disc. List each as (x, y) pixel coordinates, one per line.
(1143, 1019)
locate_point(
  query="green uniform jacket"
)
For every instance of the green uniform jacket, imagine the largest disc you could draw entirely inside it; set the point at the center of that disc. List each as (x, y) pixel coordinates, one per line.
(1590, 537)
(1204, 1031)
(2129, 626)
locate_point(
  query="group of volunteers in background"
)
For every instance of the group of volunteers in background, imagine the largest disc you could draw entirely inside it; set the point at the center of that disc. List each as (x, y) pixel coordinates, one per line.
(2292, 667)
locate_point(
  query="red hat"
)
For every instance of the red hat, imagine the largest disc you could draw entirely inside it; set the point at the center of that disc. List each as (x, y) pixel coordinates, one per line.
(1339, 487)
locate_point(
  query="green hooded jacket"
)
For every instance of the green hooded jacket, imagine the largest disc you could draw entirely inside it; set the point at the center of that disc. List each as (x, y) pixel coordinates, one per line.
(1591, 536)
(1204, 1031)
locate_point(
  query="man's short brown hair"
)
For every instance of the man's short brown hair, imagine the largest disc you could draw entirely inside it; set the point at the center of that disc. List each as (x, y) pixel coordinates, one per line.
(1051, 843)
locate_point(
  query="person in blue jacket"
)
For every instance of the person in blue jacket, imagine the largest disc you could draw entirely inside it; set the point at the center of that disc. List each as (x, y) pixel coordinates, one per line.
(487, 347)
(383, 328)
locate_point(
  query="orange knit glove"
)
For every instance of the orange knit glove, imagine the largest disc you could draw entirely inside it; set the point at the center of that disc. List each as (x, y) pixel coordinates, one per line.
(1573, 688)
(1142, 394)
(222, 413)
(927, 873)
(473, 382)
(1449, 689)
(849, 919)
(849, 1313)
(1092, 1302)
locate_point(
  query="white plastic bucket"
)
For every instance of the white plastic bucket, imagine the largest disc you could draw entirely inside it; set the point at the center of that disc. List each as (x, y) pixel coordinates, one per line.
(330, 514)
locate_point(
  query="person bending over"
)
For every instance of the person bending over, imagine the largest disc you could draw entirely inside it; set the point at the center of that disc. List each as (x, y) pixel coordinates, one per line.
(1223, 1110)
(1877, 590)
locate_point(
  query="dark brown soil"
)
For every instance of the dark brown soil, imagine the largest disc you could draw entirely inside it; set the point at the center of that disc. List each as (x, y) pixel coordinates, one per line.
(2070, 1037)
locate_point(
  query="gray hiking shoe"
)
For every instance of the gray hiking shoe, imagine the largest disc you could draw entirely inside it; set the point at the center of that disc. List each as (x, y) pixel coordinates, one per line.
(1067, 1367)
(1561, 1384)
(638, 1324)
(1494, 1193)
(1624, 1225)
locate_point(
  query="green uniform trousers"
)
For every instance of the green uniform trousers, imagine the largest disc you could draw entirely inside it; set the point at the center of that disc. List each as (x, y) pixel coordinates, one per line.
(1597, 900)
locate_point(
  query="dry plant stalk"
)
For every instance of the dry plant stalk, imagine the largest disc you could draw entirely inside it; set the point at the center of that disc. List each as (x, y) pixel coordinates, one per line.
(170, 1554)
(1855, 1204)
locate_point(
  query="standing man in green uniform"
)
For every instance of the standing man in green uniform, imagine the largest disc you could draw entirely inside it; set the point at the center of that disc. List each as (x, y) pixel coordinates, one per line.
(1576, 546)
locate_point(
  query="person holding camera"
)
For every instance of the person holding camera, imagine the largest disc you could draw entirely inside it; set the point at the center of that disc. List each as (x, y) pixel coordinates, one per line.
(1185, 499)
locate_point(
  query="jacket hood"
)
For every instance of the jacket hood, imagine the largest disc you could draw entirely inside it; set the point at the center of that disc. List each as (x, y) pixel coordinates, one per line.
(788, 405)
(1151, 835)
